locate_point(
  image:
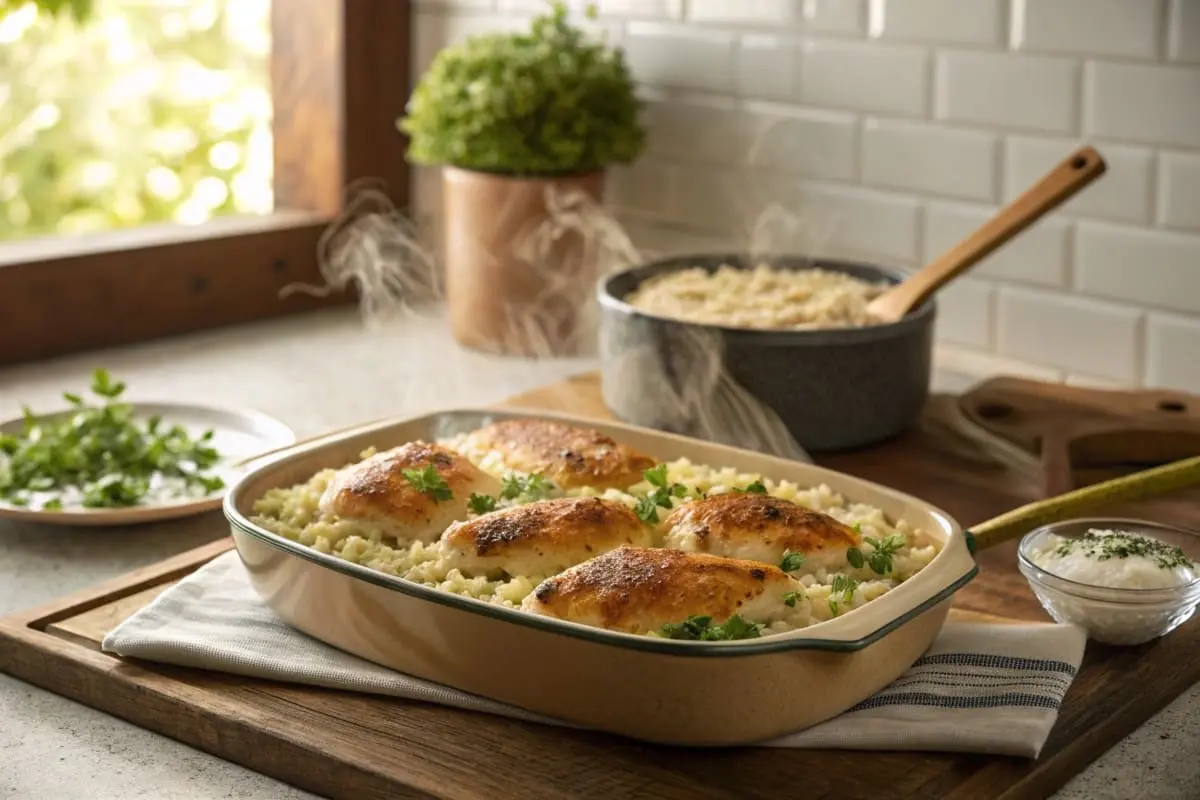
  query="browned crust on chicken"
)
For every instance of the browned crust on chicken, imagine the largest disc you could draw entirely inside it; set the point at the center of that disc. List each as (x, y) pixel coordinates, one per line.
(774, 521)
(636, 588)
(588, 523)
(569, 456)
(376, 487)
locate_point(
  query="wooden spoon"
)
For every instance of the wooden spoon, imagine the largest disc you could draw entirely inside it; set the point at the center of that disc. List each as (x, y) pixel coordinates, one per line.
(1056, 187)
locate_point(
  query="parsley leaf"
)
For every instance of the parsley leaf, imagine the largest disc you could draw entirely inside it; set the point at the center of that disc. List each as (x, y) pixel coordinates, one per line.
(700, 628)
(481, 503)
(532, 487)
(647, 509)
(791, 561)
(754, 487)
(656, 476)
(426, 480)
(660, 496)
(881, 559)
(790, 598)
(855, 557)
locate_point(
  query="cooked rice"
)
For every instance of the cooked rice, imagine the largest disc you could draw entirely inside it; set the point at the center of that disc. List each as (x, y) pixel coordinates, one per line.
(294, 513)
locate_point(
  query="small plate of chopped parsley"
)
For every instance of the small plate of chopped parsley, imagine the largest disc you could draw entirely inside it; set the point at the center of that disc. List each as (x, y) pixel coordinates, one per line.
(106, 461)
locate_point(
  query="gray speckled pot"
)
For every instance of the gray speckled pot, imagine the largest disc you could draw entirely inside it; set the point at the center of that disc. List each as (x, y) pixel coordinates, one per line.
(832, 389)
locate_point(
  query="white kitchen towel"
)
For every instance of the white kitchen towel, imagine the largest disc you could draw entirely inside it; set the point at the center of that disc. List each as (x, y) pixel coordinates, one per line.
(981, 688)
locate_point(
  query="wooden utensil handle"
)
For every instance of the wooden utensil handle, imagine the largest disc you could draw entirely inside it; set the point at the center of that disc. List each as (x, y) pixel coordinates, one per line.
(1138, 486)
(1059, 185)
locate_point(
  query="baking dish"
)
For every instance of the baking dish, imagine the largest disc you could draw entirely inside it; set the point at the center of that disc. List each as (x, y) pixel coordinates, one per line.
(676, 692)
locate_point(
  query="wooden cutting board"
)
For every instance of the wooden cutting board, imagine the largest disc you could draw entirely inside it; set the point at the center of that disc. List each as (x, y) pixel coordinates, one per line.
(1082, 435)
(345, 745)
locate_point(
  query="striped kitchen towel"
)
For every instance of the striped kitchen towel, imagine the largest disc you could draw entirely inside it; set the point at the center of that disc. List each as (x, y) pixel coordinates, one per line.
(981, 688)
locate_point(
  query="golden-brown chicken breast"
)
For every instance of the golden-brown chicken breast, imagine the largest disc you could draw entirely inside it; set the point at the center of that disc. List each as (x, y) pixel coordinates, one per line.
(542, 538)
(411, 492)
(760, 527)
(567, 455)
(638, 590)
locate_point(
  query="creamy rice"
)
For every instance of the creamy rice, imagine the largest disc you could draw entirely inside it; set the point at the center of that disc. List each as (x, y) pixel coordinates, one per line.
(762, 297)
(294, 513)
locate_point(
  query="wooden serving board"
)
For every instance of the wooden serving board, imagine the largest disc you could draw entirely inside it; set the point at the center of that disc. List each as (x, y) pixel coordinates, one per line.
(1082, 435)
(344, 745)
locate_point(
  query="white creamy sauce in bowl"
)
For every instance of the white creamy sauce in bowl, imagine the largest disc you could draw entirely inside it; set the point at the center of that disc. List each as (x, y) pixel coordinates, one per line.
(1116, 559)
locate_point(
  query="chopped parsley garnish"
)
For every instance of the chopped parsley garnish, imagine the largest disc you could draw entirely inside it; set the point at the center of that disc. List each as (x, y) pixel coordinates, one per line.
(529, 487)
(791, 561)
(843, 586)
(103, 452)
(660, 496)
(880, 559)
(790, 598)
(700, 628)
(427, 481)
(481, 503)
(855, 557)
(754, 487)
(1105, 545)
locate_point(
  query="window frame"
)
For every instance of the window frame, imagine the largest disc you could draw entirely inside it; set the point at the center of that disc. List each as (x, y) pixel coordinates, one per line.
(339, 81)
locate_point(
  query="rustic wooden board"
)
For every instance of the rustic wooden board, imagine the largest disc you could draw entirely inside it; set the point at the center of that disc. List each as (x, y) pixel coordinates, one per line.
(352, 746)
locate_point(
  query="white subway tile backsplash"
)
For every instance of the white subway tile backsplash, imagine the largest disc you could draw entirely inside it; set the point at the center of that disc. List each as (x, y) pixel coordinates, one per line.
(928, 158)
(1153, 268)
(816, 144)
(1173, 352)
(1123, 193)
(765, 67)
(1049, 328)
(1179, 190)
(681, 56)
(1153, 104)
(860, 223)
(753, 12)
(965, 313)
(646, 188)
(1006, 89)
(1183, 31)
(1127, 28)
(864, 77)
(942, 21)
(696, 130)
(1037, 256)
(889, 130)
(847, 17)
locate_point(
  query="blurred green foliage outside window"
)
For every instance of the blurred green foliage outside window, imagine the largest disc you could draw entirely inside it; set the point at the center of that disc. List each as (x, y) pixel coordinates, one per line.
(143, 111)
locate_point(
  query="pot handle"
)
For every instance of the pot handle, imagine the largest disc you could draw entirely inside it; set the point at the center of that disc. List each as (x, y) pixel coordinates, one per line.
(1138, 486)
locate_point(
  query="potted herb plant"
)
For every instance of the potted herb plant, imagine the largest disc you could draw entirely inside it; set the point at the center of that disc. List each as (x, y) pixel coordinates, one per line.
(513, 118)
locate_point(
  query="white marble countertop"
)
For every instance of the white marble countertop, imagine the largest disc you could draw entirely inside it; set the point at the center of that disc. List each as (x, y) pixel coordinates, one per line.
(315, 372)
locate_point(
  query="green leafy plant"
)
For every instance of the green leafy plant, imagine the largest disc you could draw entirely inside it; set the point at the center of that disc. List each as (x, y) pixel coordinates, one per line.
(81, 10)
(547, 101)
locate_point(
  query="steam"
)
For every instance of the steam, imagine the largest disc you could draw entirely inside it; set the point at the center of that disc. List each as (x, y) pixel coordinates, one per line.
(557, 261)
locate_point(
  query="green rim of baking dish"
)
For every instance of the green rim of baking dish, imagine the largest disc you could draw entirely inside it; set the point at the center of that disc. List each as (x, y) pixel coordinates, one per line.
(747, 647)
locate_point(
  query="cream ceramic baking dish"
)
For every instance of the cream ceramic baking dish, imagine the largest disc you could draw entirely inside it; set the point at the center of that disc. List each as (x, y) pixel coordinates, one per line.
(661, 690)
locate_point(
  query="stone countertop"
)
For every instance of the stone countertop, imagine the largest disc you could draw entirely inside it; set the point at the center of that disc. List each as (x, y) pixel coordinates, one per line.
(314, 372)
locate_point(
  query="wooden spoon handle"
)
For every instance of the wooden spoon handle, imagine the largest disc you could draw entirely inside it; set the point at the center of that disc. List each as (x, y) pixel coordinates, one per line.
(1056, 187)
(1139, 485)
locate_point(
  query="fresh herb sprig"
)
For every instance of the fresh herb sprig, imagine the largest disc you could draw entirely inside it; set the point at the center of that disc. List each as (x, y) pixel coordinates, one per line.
(659, 496)
(700, 628)
(101, 450)
(790, 598)
(754, 487)
(880, 557)
(527, 487)
(481, 503)
(428, 482)
(791, 561)
(842, 586)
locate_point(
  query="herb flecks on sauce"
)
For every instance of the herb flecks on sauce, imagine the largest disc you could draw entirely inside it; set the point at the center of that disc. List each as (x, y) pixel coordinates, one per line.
(1104, 546)
(700, 628)
(104, 453)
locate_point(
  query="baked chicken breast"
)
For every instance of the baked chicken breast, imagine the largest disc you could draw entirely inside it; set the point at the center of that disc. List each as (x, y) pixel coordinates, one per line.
(760, 527)
(568, 456)
(413, 491)
(639, 590)
(542, 538)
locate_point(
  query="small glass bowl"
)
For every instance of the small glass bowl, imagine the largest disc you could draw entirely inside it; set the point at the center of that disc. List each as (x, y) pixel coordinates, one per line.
(1109, 615)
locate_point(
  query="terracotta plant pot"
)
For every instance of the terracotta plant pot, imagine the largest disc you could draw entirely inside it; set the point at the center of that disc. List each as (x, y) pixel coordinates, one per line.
(510, 288)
